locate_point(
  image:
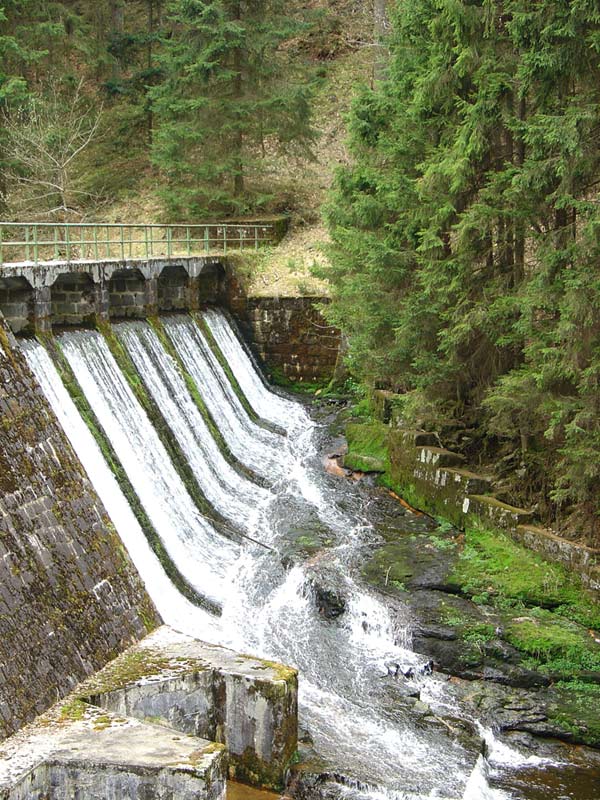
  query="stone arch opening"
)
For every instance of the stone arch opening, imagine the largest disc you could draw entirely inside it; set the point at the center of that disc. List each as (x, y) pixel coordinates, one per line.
(210, 283)
(73, 299)
(17, 304)
(173, 289)
(127, 294)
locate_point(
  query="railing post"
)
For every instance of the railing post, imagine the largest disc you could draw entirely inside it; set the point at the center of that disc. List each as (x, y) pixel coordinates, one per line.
(224, 238)
(27, 250)
(96, 256)
(68, 242)
(241, 238)
(169, 235)
(107, 242)
(187, 236)
(151, 241)
(146, 240)
(35, 244)
(206, 242)
(56, 253)
(122, 244)
(256, 237)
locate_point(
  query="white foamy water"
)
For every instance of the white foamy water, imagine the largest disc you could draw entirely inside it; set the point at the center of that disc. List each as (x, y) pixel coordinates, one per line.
(174, 609)
(202, 555)
(354, 717)
(228, 491)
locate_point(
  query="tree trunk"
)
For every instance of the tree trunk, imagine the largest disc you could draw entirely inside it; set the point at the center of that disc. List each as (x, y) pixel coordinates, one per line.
(238, 137)
(379, 31)
(117, 23)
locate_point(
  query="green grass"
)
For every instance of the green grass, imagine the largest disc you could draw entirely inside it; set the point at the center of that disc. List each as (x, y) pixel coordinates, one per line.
(317, 387)
(494, 568)
(554, 644)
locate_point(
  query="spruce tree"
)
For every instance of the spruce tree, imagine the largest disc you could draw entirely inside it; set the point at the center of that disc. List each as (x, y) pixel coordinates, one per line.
(465, 248)
(228, 89)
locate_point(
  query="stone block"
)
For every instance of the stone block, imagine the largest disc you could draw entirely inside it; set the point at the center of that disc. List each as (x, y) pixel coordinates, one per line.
(439, 457)
(97, 755)
(497, 513)
(248, 704)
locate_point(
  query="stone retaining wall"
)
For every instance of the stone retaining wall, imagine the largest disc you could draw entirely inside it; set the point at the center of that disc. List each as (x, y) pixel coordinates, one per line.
(291, 336)
(437, 480)
(70, 598)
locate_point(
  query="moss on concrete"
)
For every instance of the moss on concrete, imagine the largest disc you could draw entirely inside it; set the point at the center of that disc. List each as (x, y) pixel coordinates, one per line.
(135, 665)
(367, 447)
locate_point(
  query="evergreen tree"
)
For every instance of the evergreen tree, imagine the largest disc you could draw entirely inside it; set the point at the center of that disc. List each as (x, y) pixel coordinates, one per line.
(229, 90)
(465, 255)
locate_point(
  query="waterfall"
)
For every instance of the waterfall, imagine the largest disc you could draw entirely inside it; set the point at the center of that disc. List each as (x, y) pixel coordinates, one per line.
(202, 556)
(228, 491)
(260, 449)
(352, 710)
(265, 403)
(174, 609)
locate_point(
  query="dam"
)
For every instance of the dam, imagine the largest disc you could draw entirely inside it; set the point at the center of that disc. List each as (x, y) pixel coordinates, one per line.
(194, 497)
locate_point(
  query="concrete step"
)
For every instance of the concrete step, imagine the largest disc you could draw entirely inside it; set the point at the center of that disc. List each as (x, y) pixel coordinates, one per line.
(96, 755)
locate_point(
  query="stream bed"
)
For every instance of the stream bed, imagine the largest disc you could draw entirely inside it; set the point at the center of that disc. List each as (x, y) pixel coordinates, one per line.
(379, 716)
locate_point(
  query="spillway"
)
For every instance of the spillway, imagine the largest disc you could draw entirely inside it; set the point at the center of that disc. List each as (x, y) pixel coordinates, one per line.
(174, 609)
(203, 556)
(267, 608)
(229, 492)
(260, 449)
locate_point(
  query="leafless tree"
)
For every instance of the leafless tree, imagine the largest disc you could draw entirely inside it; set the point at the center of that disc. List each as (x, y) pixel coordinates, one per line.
(46, 140)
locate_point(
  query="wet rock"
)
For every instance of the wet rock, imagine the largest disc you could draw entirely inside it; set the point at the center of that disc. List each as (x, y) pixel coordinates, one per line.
(326, 587)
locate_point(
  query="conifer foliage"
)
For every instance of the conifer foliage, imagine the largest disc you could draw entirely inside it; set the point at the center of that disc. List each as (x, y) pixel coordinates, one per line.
(229, 90)
(466, 237)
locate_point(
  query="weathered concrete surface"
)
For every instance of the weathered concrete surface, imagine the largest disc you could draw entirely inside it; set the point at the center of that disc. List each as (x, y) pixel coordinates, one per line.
(70, 598)
(84, 752)
(248, 704)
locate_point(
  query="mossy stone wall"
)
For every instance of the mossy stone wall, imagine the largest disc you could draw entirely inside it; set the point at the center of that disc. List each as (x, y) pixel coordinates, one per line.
(70, 598)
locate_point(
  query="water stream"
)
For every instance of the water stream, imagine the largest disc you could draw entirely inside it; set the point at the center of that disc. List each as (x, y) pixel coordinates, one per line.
(356, 720)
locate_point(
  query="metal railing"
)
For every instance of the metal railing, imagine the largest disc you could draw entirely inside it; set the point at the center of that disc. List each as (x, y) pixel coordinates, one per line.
(39, 242)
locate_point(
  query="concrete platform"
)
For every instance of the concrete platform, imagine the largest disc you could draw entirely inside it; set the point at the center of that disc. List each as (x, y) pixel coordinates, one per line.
(85, 752)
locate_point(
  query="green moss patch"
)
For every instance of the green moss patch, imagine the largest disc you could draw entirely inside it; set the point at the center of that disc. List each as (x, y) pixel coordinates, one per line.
(494, 568)
(554, 644)
(367, 447)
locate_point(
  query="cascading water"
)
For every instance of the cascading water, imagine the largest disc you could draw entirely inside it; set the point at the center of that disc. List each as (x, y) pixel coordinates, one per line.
(355, 718)
(172, 606)
(202, 556)
(258, 448)
(265, 403)
(229, 492)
